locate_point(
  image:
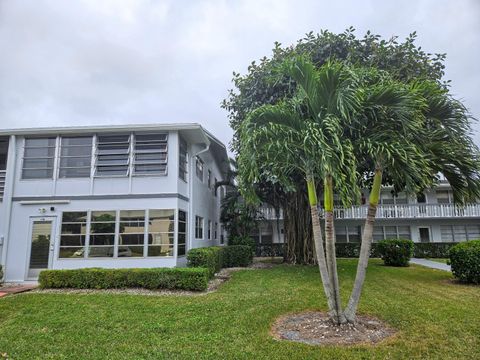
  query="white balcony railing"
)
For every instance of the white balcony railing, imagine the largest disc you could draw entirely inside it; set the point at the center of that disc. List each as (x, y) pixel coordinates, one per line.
(404, 211)
(2, 183)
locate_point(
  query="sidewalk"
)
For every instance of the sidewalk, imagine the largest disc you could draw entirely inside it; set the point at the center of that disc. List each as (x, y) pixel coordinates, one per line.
(431, 264)
(7, 289)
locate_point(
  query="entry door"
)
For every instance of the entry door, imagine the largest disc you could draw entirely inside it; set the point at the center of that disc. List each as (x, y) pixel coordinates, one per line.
(424, 234)
(41, 245)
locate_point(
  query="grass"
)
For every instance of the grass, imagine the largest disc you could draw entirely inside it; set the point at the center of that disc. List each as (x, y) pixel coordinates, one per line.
(435, 318)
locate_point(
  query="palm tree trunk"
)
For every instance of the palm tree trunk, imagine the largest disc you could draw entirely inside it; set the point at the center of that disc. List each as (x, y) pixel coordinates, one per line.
(351, 309)
(319, 250)
(330, 247)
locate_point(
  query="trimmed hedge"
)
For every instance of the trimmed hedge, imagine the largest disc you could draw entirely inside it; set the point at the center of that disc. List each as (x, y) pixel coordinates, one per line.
(243, 240)
(432, 250)
(395, 252)
(98, 278)
(465, 261)
(237, 256)
(210, 258)
(214, 258)
(352, 250)
(420, 250)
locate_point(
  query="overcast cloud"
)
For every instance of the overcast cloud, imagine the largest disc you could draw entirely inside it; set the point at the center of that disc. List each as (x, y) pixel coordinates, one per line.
(137, 61)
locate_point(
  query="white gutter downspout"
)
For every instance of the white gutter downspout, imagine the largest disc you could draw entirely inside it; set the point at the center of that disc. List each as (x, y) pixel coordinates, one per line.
(7, 196)
(190, 202)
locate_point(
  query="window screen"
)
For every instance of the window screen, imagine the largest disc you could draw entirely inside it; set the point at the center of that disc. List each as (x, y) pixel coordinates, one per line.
(150, 155)
(38, 158)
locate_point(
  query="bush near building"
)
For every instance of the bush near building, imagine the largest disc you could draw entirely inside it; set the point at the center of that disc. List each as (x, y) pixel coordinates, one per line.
(154, 278)
(210, 258)
(395, 252)
(465, 261)
(215, 257)
(242, 240)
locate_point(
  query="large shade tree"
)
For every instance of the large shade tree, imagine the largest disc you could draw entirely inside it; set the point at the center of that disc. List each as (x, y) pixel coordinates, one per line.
(403, 60)
(339, 122)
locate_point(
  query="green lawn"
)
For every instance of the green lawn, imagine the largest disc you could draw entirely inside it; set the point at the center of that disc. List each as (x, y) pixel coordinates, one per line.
(435, 318)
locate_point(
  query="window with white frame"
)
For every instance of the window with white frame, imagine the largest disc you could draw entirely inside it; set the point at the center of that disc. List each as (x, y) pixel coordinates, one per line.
(113, 155)
(456, 233)
(131, 237)
(73, 234)
(198, 227)
(102, 234)
(209, 237)
(183, 160)
(444, 197)
(215, 187)
(161, 232)
(182, 233)
(378, 233)
(150, 154)
(390, 198)
(38, 158)
(130, 227)
(391, 232)
(199, 168)
(209, 178)
(216, 230)
(348, 234)
(354, 234)
(75, 157)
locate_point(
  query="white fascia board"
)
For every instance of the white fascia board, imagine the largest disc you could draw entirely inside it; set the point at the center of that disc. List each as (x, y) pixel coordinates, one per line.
(100, 129)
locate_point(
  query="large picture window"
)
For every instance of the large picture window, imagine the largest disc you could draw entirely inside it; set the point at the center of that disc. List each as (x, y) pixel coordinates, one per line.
(150, 155)
(131, 237)
(75, 157)
(113, 154)
(38, 158)
(183, 160)
(73, 234)
(182, 233)
(130, 228)
(161, 232)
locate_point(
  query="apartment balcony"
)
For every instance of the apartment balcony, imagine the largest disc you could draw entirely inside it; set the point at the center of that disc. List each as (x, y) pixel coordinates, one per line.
(404, 211)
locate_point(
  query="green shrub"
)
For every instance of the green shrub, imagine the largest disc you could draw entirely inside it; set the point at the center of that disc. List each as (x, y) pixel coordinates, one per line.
(465, 261)
(243, 240)
(97, 278)
(237, 256)
(395, 252)
(210, 258)
(432, 250)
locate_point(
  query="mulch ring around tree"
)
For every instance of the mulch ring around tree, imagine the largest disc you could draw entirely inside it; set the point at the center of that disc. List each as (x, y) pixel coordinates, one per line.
(315, 328)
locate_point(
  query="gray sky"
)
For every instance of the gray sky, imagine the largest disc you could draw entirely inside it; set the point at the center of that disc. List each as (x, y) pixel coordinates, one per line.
(139, 61)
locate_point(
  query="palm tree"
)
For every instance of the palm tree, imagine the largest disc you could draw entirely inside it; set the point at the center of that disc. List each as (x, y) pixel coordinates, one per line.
(412, 133)
(305, 135)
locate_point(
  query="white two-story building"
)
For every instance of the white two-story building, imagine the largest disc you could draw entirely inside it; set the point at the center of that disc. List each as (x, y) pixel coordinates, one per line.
(107, 196)
(429, 217)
